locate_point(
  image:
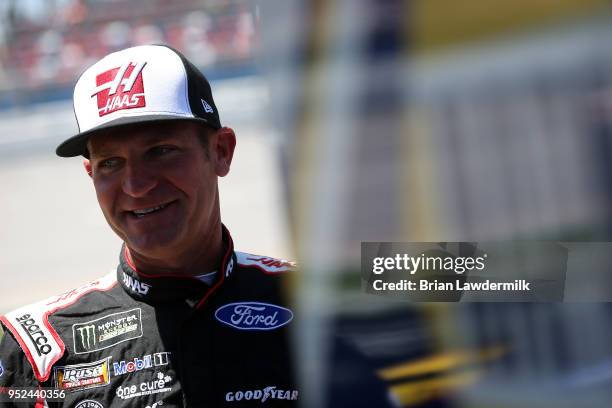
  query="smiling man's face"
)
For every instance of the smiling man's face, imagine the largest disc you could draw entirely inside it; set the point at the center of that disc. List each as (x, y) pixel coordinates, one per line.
(156, 185)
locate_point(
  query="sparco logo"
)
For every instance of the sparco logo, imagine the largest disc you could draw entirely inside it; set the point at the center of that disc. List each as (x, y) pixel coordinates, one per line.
(253, 316)
(120, 88)
(35, 334)
(262, 395)
(148, 361)
(135, 285)
(82, 376)
(107, 331)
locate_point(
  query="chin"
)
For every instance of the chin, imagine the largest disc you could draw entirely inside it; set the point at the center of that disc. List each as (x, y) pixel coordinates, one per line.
(152, 245)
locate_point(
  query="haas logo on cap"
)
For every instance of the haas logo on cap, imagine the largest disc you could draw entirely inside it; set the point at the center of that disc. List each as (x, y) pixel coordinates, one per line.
(120, 88)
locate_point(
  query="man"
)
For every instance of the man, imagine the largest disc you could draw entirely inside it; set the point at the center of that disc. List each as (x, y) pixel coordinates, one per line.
(185, 320)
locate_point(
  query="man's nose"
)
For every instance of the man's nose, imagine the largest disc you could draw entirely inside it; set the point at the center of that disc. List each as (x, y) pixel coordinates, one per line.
(138, 181)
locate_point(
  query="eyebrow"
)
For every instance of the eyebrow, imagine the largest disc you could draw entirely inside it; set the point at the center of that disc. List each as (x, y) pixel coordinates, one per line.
(99, 153)
(151, 140)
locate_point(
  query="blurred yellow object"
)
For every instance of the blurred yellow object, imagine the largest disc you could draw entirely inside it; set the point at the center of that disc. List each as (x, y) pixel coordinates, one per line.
(441, 23)
(416, 391)
(441, 362)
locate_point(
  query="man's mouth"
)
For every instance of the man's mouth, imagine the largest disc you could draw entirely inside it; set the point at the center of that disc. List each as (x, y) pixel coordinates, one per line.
(143, 212)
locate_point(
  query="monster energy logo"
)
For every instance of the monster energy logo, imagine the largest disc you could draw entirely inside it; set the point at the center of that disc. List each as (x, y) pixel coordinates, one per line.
(107, 331)
(87, 335)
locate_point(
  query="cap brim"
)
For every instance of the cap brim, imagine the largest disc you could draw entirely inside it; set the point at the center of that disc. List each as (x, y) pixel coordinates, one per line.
(77, 145)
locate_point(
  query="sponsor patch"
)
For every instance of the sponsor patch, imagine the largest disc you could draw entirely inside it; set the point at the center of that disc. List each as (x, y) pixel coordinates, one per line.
(253, 316)
(78, 377)
(120, 88)
(107, 331)
(140, 363)
(1, 369)
(30, 325)
(272, 262)
(135, 285)
(264, 263)
(262, 395)
(230, 267)
(89, 404)
(34, 331)
(160, 383)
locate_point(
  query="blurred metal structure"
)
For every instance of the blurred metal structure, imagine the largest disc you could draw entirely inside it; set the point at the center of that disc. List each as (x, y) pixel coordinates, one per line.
(426, 121)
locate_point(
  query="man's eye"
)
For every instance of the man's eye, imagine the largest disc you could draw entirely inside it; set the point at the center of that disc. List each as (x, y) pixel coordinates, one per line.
(162, 150)
(108, 163)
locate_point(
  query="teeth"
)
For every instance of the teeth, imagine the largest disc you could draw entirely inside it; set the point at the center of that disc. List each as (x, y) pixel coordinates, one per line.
(140, 213)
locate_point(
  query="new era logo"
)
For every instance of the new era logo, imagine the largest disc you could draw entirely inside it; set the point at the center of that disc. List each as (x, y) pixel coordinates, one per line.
(207, 107)
(120, 88)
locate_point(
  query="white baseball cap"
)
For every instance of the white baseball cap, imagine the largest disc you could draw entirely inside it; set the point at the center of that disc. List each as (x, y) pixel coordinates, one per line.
(139, 84)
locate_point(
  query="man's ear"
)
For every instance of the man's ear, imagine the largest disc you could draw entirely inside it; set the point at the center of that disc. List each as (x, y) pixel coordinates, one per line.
(87, 165)
(223, 144)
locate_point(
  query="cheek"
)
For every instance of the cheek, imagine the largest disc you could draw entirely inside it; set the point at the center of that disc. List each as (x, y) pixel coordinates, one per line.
(200, 188)
(105, 195)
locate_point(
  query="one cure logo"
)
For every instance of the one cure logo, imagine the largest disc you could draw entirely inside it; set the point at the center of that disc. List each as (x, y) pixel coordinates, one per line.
(159, 384)
(253, 316)
(120, 88)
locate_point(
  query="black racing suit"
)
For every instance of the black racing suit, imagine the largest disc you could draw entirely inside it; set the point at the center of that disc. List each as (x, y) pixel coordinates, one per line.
(136, 340)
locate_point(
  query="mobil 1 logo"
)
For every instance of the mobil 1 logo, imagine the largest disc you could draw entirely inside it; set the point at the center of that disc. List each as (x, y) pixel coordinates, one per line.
(140, 363)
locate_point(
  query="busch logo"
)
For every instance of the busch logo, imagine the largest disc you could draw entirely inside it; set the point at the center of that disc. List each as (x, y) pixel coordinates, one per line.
(120, 88)
(148, 361)
(135, 285)
(270, 392)
(253, 316)
(36, 335)
(82, 376)
(75, 374)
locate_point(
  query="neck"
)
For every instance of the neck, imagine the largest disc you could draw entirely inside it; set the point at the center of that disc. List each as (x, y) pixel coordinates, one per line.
(201, 258)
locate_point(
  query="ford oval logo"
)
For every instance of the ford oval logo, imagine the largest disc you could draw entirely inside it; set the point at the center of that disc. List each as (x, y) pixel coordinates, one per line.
(253, 316)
